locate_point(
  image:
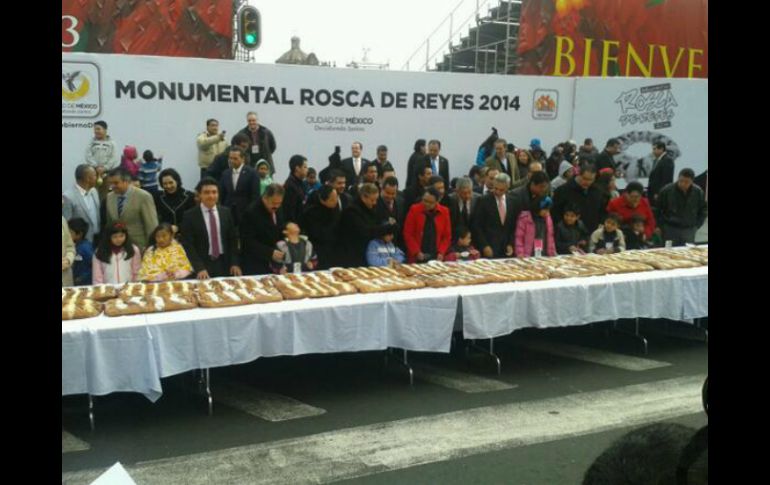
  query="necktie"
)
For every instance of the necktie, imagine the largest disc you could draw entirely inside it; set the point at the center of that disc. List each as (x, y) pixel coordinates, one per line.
(501, 209)
(121, 202)
(435, 167)
(465, 213)
(390, 206)
(358, 166)
(275, 219)
(213, 234)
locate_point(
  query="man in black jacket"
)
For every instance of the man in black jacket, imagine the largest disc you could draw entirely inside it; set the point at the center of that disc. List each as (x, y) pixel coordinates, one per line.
(494, 224)
(391, 205)
(360, 225)
(585, 195)
(413, 194)
(662, 172)
(415, 159)
(261, 141)
(239, 184)
(321, 222)
(354, 165)
(261, 228)
(462, 204)
(209, 235)
(683, 209)
(294, 193)
(606, 158)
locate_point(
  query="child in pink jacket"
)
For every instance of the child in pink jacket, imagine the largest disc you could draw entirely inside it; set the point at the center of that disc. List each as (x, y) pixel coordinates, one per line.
(130, 160)
(534, 230)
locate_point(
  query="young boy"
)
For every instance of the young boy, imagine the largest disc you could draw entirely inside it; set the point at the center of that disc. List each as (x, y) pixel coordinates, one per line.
(84, 252)
(149, 170)
(298, 252)
(571, 233)
(311, 183)
(635, 237)
(382, 252)
(608, 239)
(463, 250)
(263, 171)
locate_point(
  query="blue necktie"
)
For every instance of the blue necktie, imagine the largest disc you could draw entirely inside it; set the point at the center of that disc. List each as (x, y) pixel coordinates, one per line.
(121, 201)
(435, 167)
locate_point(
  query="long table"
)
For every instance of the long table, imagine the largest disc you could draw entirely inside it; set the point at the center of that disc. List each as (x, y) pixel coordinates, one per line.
(103, 355)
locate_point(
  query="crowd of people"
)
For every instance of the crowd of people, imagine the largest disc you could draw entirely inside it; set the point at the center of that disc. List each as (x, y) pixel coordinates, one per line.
(132, 220)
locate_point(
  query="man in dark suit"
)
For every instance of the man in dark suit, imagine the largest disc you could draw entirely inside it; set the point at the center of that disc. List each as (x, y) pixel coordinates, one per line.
(662, 172)
(261, 228)
(438, 164)
(503, 161)
(391, 207)
(221, 161)
(239, 184)
(294, 193)
(606, 158)
(414, 193)
(209, 236)
(493, 222)
(360, 225)
(321, 222)
(368, 176)
(462, 204)
(354, 166)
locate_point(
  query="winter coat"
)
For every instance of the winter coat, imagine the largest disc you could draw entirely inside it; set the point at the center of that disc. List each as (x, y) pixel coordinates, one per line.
(524, 238)
(415, 226)
(102, 153)
(626, 212)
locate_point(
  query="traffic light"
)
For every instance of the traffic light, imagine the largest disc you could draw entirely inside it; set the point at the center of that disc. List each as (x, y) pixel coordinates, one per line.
(249, 27)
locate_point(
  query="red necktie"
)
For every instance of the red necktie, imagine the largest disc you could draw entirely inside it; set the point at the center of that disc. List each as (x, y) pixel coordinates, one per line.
(214, 234)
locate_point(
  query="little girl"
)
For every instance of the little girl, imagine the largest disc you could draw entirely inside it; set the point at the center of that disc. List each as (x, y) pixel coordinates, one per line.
(130, 160)
(534, 230)
(117, 259)
(164, 259)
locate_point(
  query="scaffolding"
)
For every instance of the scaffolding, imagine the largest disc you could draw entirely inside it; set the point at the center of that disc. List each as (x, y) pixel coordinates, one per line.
(489, 47)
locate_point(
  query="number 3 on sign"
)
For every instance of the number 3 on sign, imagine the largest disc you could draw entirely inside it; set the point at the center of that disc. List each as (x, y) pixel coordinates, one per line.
(73, 23)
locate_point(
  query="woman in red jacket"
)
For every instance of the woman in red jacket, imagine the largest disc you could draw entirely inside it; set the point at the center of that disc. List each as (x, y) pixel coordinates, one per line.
(632, 203)
(427, 230)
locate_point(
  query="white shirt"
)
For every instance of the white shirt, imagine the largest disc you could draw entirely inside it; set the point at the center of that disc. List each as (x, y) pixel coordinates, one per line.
(236, 174)
(93, 211)
(206, 216)
(357, 165)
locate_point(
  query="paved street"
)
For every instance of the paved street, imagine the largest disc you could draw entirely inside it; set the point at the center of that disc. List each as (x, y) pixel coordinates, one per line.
(562, 397)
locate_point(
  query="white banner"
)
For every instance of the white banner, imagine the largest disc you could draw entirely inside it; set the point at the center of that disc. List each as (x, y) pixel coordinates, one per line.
(640, 111)
(162, 103)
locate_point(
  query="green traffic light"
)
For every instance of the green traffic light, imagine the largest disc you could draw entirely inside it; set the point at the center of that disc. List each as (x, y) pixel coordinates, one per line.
(251, 38)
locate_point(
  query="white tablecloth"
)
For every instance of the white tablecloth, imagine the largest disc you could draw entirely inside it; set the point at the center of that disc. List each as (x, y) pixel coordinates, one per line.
(103, 355)
(494, 310)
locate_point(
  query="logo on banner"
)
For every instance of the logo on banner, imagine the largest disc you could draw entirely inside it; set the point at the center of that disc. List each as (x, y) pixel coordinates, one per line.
(339, 123)
(545, 105)
(651, 104)
(80, 90)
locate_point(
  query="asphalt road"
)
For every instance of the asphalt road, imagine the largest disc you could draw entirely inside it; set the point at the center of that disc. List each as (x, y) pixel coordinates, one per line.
(563, 396)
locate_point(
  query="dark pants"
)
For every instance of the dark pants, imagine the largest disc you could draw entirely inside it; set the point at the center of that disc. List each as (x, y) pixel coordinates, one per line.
(216, 267)
(678, 235)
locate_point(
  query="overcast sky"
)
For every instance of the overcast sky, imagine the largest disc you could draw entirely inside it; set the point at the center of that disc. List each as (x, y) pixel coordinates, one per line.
(339, 30)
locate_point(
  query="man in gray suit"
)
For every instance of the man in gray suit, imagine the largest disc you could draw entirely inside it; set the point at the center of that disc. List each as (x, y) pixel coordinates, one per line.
(132, 206)
(82, 200)
(462, 205)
